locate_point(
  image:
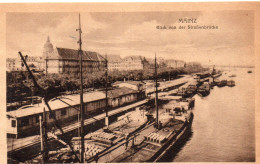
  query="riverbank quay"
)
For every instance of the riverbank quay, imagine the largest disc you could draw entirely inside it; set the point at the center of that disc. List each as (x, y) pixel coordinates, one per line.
(129, 124)
(128, 131)
(30, 146)
(141, 148)
(169, 85)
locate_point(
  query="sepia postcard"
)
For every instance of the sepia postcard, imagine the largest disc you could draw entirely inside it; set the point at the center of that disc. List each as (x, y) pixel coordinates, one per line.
(130, 82)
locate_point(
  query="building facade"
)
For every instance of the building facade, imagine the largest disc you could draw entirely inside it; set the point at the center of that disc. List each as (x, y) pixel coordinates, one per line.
(12, 64)
(175, 63)
(129, 63)
(34, 62)
(132, 63)
(66, 61)
(133, 85)
(114, 63)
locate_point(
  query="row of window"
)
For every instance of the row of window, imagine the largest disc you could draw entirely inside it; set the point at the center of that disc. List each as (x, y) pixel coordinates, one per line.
(26, 121)
(63, 113)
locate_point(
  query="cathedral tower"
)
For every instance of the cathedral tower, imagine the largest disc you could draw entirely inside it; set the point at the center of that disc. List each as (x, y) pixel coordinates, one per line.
(47, 49)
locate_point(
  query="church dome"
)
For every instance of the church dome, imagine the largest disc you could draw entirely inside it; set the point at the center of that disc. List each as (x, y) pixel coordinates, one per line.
(47, 48)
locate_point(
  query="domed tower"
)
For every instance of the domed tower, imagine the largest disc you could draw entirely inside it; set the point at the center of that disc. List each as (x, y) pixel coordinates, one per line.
(47, 48)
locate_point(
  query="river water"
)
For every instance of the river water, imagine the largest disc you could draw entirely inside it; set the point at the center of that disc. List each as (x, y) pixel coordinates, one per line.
(223, 125)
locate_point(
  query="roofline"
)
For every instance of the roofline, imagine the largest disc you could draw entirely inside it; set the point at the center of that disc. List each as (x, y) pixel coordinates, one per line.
(98, 54)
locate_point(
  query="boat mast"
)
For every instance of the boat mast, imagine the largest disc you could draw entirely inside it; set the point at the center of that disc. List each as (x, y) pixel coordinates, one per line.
(81, 96)
(44, 149)
(43, 137)
(156, 94)
(44, 144)
(45, 101)
(107, 120)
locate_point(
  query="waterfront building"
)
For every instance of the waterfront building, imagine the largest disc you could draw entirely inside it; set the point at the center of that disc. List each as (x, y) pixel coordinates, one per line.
(175, 63)
(129, 63)
(121, 96)
(133, 85)
(66, 61)
(11, 64)
(25, 120)
(114, 62)
(132, 63)
(34, 62)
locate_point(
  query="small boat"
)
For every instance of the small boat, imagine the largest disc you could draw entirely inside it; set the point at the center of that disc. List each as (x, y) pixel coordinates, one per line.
(231, 83)
(222, 83)
(204, 89)
(216, 75)
(249, 71)
(233, 75)
(216, 81)
(191, 90)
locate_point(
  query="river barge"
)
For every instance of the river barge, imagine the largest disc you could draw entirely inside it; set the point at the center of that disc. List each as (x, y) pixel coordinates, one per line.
(216, 75)
(174, 123)
(231, 83)
(222, 83)
(204, 89)
(191, 90)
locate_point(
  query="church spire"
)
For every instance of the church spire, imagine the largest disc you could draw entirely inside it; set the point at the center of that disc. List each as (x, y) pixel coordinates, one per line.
(47, 48)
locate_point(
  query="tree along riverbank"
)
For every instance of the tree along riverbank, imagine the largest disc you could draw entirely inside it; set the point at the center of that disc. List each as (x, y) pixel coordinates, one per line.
(20, 87)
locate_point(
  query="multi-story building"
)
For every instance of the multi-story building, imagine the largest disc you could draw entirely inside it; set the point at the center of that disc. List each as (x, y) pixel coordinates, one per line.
(160, 62)
(34, 62)
(129, 63)
(132, 63)
(175, 63)
(11, 64)
(66, 61)
(114, 62)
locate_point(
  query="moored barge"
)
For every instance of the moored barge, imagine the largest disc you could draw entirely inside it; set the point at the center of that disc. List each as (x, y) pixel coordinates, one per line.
(204, 89)
(231, 83)
(174, 123)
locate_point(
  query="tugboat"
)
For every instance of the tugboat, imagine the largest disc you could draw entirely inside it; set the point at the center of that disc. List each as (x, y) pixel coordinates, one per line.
(233, 75)
(214, 73)
(191, 90)
(231, 83)
(222, 83)
(217, 75)
(204, 89)
(216, 82)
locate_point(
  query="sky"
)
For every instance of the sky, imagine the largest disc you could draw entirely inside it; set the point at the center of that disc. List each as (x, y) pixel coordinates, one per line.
(135, 33)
